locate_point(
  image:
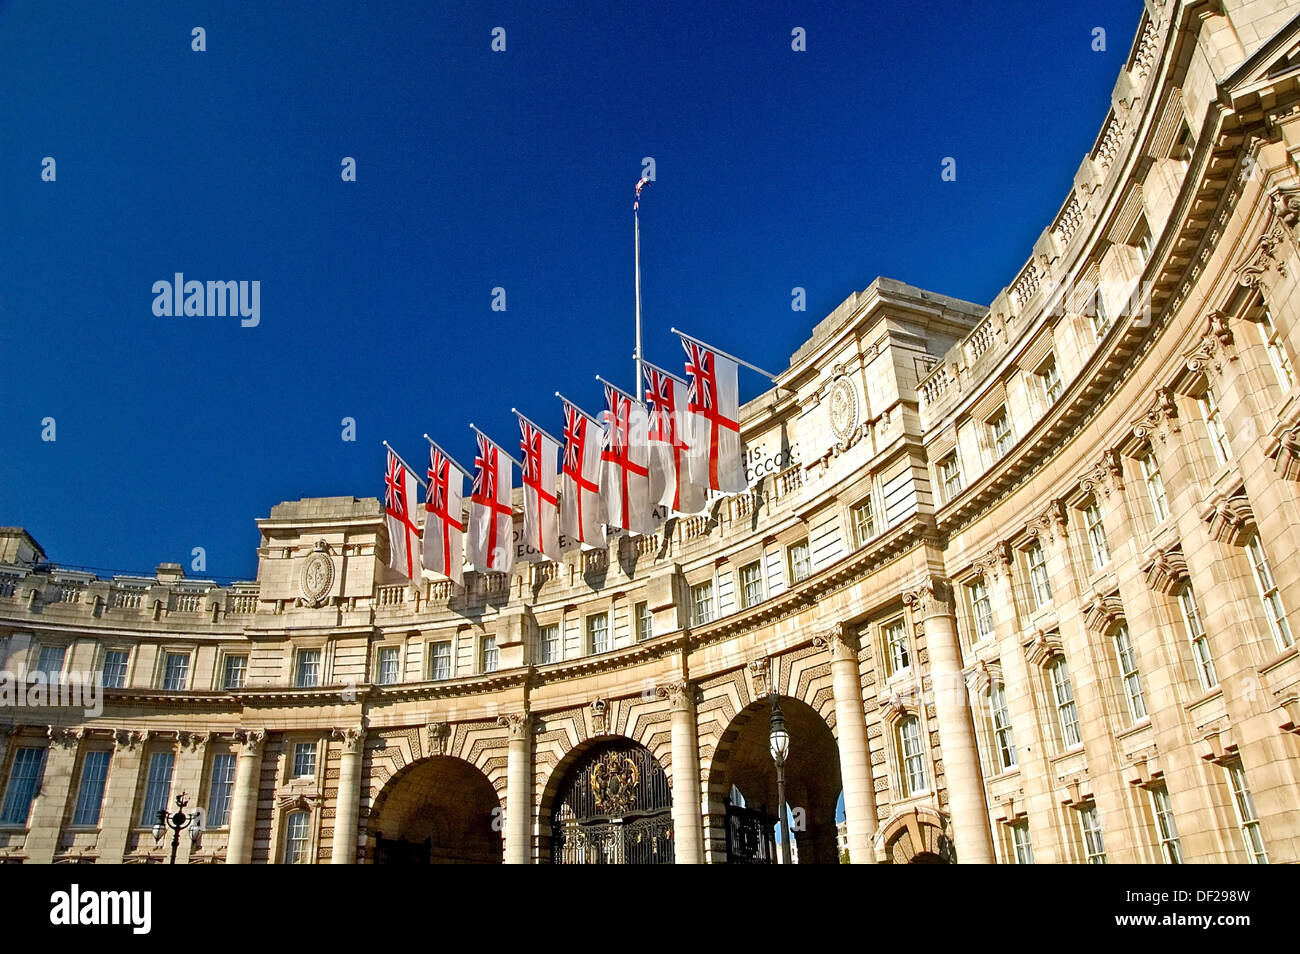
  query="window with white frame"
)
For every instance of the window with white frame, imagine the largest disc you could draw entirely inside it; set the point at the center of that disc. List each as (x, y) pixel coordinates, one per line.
(390, 665)
(90, 790)
(1049, 379)
(1243, 804)
(1020, 843)
(307, 671)
(864, 521)
(1004, 739)
(1276, 349)
(1096, 534)
(221, 789)
(1154, 484)
(911, 757)
(644, 622)
(1196, 636)
(488, 654)
(234, 671)
(799, 561)
(1130, 679)
(25, 774)
(1040, 587)
(548, 643)
(751, 585)
(114, 671)
(1000, 437)
(1162, 810)
(1141, 238)
(157, 787)
(894, 642)
(297, 831)
(50, 661)
(1094, 849)
(598, 633)
(1214, 427)
(981, 607)
(1268, 594)
(950, 476)
(702, 603)
(1100, 317)
(1067, 715)
(440, 659)
(304, 760)
(176, 671)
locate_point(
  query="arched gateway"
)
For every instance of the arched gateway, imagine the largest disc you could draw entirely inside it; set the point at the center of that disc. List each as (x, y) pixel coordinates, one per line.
(438, 810)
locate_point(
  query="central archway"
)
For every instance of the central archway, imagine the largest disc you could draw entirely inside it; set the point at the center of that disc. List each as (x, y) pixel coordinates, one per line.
(439, 810)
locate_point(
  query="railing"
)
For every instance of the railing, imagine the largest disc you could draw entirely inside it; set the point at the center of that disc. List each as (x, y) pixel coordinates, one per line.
(243, 604)
(593, 561)
(7, 585)
(391, 595)
(932, 387)
(1069, 221)
(789, 480)
(647, 545)
(440, 591)
(740, 507)
(544, 572)
(1108, 147)
(185, 603)
(1145, 56)
(69, 594)
(981, 339)
(128, 599)
(491, 584)
(1024, 287)
(695, 527)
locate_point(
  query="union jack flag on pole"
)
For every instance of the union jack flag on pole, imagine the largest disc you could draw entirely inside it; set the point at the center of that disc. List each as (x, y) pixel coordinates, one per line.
(400, 500)
(670, 483)
(541, 504)
(444, 519)
(491, 516)
(713, 406)
(626, 486)
(582, 515)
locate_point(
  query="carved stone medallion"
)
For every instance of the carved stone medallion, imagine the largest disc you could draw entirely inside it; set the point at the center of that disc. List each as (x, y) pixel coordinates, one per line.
(317, 576)
(842, 404)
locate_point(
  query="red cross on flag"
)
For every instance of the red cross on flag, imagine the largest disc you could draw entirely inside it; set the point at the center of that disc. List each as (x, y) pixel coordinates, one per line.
(626, 485)
(581, 515)
(713, 406)
(491, 517)
(444, 526)
(400, 500)
(670, 484)
(541, 505)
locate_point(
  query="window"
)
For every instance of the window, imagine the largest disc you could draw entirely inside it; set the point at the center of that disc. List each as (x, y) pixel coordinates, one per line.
(1214, 427)
(1183, 145)
(1276, 616)
(1155, 486)
(1096, 535)
(799, 559)
(390, 661)
(548, 643)
(307, 672)
(598, 633)
(644, 622)
(304, 760)
(1020, 842)
(1200, 643)
(233, 672)
(50, 661)
(1100, 317)
(1002, 734)
(1141, 239)
(221, 790)
(115, 669)
(912, 756)
(1039, 585)
(981, 608)
(895, 643)
(702, 602)
(90, 792)
(158, 787)
(1128, 673)
(1050, 380)
(950, 476)
(1276, 349)
(864, 522)
(1163, 810)
(488, 654)
(1244, 804)
(24, 781)
(751, 585)
(176, 672)
(295, 838)
(1000, 433)
(1090, 827)
(440, 660)
(1067, 716)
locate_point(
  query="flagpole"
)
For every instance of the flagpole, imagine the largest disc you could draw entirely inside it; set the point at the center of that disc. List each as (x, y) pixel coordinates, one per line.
(448, 456)
(611, 384)
(414, 472)
(535, 427)
(730, 357)
(518, 463)
(636, 227)
(590, 417)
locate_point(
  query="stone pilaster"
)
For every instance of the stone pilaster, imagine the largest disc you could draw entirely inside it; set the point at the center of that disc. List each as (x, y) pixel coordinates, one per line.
(519, 789)
(118, 815)
(243, 809)
(347, 807)
(51, 805)
(851, 737)
(688, 823)
(191, 752)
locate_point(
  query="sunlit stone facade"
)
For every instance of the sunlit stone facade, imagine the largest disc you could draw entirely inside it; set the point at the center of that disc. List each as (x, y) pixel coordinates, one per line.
(1023, 578)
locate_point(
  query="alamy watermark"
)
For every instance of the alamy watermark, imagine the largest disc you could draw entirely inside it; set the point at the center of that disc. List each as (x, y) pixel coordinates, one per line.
(52, 690)
(195, 299)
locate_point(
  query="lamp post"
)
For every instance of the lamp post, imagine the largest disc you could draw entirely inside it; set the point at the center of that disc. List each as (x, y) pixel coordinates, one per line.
(177, 823)
(780, 742)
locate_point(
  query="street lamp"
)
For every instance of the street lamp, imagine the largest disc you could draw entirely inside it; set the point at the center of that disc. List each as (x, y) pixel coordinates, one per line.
(780, 742)
(177, 823)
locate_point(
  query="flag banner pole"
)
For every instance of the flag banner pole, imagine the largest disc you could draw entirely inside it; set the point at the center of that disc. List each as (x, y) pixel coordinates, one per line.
(517, 461)
(590, 417)
(536, 428)
(620, 390)
(451, 459)
(636, 227)
(414, 473)
(730, 357)
(668, 374)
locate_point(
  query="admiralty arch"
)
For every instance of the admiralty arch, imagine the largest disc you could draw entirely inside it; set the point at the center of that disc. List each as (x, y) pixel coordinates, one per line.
(1020, 576)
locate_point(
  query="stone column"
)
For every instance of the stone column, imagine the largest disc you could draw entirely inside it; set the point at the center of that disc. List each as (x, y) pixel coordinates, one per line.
(347, 807)
(50, 807)
(243, 810)
(932, 613)
(851, 737)
(117, 819)
(519, 789)
(688, 823)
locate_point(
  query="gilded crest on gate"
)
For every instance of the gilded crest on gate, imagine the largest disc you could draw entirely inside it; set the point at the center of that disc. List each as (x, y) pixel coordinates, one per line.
(614, 781)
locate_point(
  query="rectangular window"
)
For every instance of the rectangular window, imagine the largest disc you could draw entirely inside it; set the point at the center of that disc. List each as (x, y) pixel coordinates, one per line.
(548, 643)
(1100, 317)
(913, 756)
(488, 654)
(1039, 585)
(1002, 732)
(1200, 643)
(307, 673)
(1244, 805)
(751, 585)
(158, 787)
(950, 476)
(644, 622)
(1128, 673)
(1096, 535)
(1155, 486)
(1141, 239)
(304, 760)
(895, 645)
(234, 670)
(115, 669)
(1163, 810)
(440, 660)
(1090, 827)
(1050, 379)
(1214, 427)
(864, 522)
(1268, 593)
(50, 661)
(24, 781)
(799, 561)
(702, 603)
(1067, 715)
(176, 672)
(1276, 349)
(1183, 145)
(1020, 841)
(221, 790)
(981, 608)
(90, 793)
(1000, 434)
(598, 633)
(390, 662)
(296, 832)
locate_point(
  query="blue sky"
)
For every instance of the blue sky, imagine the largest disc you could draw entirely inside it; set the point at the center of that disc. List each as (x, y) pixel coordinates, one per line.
(475, 169)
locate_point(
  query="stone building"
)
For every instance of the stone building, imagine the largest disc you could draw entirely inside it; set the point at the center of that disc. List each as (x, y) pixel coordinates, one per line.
(1021, 578)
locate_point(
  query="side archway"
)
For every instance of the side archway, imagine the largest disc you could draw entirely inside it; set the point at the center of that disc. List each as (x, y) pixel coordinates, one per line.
(437, 810)
(918, 836)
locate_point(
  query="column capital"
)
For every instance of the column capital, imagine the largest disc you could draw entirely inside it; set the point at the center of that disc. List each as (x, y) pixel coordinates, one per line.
(128, 738)
(1050, 523)
(1160, 418)
(250, 740)
(353, 738)
(1106, 474)
(1214, 349)
(192, 740)
(996, 559)
(929, 598)
(518, 723)
(841, 643)
(680, 695)
(62, 736)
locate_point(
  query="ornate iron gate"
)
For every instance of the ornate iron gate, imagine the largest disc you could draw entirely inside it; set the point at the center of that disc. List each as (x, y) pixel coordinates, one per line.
(750, 838)
(614, 807)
